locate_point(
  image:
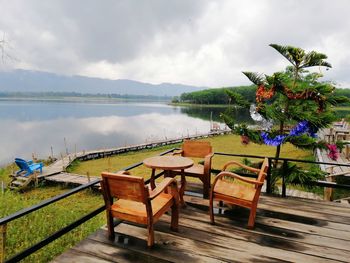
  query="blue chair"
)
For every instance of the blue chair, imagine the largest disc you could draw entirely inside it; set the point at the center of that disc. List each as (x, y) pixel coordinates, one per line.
(28, 167)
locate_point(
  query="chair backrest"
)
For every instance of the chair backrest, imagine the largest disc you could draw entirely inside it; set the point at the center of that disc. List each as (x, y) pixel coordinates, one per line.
(22, 164)
(197, 149)
(123, 186)
(263, 170)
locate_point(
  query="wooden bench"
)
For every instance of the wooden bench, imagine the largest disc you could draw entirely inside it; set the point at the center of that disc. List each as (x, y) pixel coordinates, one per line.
(333, 170)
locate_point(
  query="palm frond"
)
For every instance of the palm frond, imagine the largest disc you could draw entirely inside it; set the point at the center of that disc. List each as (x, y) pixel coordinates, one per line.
(313, 59)
(289, 52)
(254, 77)
(237, 99)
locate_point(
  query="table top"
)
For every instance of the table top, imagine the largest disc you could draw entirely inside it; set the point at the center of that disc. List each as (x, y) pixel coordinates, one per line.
(168, 162)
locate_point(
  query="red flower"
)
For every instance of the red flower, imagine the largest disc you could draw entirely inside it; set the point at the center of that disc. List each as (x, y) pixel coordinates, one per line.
(333, 151)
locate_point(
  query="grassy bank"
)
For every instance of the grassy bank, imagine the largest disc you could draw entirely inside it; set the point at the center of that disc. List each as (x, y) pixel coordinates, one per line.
(225, 143)
(32, 228)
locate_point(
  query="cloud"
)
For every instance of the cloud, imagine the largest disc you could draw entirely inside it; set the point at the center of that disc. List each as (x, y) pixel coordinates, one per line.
(203, 43)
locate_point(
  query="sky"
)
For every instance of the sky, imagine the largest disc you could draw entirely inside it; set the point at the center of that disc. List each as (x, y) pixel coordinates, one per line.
(195, 42)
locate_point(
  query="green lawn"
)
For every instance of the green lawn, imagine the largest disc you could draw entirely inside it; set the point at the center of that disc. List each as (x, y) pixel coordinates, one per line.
(222, 143)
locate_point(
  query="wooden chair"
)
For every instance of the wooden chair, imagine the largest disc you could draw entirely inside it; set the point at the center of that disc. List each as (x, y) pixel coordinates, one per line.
(244, 194)
(198, 149)
(135, 202)
(28, 167)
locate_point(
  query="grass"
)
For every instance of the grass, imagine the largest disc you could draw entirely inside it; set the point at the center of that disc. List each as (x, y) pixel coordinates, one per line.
(224, 143)
(32, 228)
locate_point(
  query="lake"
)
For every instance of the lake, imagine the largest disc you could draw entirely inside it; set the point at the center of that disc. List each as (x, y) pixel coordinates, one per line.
(35, 126)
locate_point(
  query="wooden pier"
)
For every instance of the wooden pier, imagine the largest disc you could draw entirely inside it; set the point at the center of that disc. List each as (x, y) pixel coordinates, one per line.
(57, 170)
(287, 229)
(69, 178)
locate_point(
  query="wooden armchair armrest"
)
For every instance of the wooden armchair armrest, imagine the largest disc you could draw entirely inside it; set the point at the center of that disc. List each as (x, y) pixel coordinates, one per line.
(238, 177)
(162, 186)
(207, 162)
(177, 152)
(255, 170)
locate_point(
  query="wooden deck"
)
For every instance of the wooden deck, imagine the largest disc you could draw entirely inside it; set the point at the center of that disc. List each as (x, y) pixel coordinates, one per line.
(293, 230)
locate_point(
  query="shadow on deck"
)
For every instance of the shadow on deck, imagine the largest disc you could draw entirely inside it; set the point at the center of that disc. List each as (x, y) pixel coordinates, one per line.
(289, 229)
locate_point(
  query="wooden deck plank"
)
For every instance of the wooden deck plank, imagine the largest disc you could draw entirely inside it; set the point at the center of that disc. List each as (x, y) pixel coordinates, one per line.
(221, 247)
(76, 256)
(311, 243)
(165, 248)
(290, 212)
(313, 203)
(111, 252)
(264, 231)
(283, 232)
(304, 205)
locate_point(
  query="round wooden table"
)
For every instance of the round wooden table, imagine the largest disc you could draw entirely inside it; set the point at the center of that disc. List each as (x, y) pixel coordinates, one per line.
(169, 163)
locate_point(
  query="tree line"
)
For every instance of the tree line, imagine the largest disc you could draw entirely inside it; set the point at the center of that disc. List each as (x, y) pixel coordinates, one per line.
(220, 95)
(51, 94)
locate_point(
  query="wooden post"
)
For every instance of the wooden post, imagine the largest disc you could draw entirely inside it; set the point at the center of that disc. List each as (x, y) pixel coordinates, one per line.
(88, 176)
(268, 178)
(328, 191)
(2, 242)
(284, 171)
(36, 179)
(62, 161)
(109, 164)
(65, 145)
(51, 153)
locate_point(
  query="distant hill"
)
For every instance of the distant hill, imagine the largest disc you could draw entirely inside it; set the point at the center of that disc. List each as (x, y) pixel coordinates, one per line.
(37, 81)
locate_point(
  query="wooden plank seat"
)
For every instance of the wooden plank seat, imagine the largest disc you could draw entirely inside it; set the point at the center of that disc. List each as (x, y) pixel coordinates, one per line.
(138, 203)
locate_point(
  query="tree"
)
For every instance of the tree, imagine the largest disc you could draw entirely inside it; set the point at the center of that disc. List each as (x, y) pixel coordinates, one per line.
(293, 98)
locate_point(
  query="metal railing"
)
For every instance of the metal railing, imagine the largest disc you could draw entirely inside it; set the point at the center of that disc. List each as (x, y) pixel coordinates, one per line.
(28, 251)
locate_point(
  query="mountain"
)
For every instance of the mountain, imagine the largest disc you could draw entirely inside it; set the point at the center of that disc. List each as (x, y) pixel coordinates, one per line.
(36, 81)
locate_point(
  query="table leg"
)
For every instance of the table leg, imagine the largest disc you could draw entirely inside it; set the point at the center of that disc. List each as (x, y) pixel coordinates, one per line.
(152, 182)
(182, 188)
(167, 173)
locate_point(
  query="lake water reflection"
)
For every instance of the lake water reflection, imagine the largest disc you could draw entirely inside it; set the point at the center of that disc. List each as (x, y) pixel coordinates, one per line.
(36, 126)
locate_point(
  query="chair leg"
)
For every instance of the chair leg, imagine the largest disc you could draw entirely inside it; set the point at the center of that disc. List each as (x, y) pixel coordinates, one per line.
(150, 240)
(211, 209)
(174, 217)
(251, 221)
(206, 189)
(110, 227)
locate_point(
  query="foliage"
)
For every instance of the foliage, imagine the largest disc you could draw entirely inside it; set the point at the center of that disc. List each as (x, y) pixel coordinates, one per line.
(219, 95)
(294, 175)
(287, 99)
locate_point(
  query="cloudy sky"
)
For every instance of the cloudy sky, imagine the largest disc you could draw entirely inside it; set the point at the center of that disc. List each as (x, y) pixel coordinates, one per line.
(196, 42)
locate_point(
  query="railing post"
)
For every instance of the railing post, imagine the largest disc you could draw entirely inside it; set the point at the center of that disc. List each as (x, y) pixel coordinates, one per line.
(2, 242)
(268, 178)
(284, 170)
